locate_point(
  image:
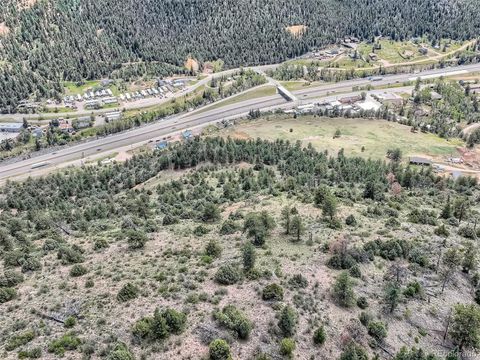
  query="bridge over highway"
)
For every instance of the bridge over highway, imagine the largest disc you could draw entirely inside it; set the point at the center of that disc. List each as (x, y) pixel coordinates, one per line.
(286, 94)
(280, 88)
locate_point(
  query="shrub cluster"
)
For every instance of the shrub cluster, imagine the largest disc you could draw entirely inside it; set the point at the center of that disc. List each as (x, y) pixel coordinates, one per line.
(228, 274)
(128, 292)
(272, 292)
(234, 320)
(160, 326)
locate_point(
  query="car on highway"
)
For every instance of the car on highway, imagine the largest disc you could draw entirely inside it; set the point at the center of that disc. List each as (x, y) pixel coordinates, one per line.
(39, 165)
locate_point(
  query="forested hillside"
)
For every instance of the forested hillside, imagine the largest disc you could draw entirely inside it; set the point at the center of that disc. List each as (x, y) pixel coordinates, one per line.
(53, 40)
(227, 249)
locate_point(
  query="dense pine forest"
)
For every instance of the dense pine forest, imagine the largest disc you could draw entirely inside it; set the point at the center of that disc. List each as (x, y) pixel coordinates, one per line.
(48, 41)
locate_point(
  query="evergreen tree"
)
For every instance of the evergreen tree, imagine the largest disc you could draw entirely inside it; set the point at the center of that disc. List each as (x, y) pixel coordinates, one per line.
(249, 256)
(342, 290)
(465, 328)
(297, 226)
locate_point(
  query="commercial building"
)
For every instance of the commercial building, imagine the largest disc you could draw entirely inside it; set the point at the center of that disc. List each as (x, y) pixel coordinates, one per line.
(417, 160)
(11, 127)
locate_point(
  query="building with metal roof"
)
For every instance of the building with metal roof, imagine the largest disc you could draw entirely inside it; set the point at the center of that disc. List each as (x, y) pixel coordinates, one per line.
(11, 127)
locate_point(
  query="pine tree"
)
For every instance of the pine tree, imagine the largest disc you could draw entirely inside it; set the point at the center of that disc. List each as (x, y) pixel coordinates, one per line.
(249, 256)
(447, 210)
(343, 290)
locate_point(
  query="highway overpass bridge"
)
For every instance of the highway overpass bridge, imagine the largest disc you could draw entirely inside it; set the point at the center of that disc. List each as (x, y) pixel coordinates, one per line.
(285, 93)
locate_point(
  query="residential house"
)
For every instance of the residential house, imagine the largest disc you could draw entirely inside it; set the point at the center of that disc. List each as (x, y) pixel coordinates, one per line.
(64, 126)
(112, 116)
(207, 68)
(93, 104)
(423, 50)
(82, 122)
(110, 100)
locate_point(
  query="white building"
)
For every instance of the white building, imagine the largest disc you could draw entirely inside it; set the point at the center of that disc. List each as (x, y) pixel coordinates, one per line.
(369, 104)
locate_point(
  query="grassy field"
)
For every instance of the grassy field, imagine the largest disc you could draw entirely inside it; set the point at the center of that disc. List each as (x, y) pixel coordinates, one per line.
(391, 51)
(73, 89)
(347, 62)
(376, 136)
(299, 85)
(251, 94)
(59, 110)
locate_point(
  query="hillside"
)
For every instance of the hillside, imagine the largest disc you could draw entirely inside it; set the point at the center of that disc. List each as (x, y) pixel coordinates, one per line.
(263, 249)
(49, 41)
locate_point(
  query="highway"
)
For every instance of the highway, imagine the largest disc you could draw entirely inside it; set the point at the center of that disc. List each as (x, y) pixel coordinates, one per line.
(133, 105)
(201, 117)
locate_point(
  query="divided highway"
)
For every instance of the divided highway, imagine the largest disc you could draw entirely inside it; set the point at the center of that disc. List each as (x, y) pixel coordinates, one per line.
(201, 117)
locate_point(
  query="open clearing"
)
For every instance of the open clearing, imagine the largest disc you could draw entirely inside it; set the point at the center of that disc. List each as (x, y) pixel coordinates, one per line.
(4, 29)
(258, 92)
(299, 85)
(376, 136)
(392, 51)
(73, 89)
(296, 30)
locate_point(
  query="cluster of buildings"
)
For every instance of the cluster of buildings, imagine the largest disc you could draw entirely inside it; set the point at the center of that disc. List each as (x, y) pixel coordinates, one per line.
(88, 96)
(66, 126)
(187, 135)
(27, 105)
(92, 99)
(99, 98)
(98, 103)
(347, 44)
(164, 89)
(12, 130)
(371, 102)
(353, 104)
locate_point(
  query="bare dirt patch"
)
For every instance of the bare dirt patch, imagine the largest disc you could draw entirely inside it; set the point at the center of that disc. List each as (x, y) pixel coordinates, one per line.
(4, 29)
(296, 30)
(26, 4)
(191, 64)
(123, 156)
(240, 135)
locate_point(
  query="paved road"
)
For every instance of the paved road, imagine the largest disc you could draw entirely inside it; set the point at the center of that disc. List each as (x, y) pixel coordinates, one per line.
(129, 105)
(172, 125)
